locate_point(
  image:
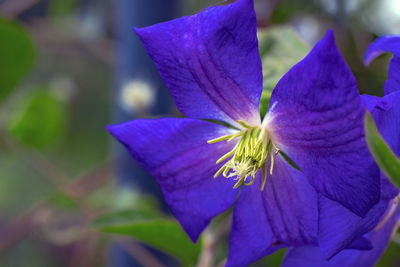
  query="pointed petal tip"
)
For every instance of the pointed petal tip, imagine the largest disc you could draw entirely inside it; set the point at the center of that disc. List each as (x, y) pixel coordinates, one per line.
(329, 38)
(330, 34)
(249, 3)
(114, 129)
(193, 237)
(191, 230)
(140, 31)
(136, 29)
(111, 128)
(193, 234)
(119, 130)
(326, 46)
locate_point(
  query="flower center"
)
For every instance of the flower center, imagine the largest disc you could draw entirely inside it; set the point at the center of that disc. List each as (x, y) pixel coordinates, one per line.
(248, 156)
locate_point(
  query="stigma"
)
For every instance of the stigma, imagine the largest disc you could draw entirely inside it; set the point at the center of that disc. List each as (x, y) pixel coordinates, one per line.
(248, 156)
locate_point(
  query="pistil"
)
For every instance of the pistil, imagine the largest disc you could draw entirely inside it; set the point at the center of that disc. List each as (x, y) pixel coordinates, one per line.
(248, 156)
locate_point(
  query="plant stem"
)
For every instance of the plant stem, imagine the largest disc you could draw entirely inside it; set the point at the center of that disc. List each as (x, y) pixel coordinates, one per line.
(210, 240)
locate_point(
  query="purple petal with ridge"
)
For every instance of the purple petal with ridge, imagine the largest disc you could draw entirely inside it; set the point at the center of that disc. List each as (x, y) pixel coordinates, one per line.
(210, 62)
(284, 214)
(317, 120)
(312, 257)
(371, 101)
(176, 153)
(388, 120)
(339, 227)
(342, 226)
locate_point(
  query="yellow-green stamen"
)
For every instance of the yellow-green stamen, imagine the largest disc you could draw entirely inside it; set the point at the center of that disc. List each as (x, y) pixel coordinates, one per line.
(248, 156)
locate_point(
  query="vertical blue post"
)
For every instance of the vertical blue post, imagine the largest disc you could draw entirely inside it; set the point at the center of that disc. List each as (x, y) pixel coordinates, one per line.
(133, 63)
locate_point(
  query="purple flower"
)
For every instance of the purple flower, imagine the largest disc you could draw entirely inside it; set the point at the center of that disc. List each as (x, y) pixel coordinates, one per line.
(386, 113)
(211, 65)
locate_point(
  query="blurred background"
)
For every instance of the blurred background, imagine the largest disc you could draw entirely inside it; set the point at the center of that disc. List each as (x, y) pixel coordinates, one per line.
(68, 68)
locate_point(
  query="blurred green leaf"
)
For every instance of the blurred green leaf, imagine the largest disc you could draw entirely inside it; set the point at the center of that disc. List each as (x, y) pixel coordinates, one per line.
(390, 257)
(276, 258)
(62, 7)
(17, 55)
(280, 48)
(273, 260)
(39, 120)
(123, 217)
(164, 234)
(384, 156)
(63, 201)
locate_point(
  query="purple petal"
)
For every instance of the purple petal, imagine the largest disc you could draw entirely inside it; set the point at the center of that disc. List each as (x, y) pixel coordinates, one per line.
(374, 102)
(311, 256)
(317, 119)
(284, 214)
(361, 243)
(176, 153)
(393, 82)
(382, 45)
(380, 240)
(371, 101)
(210, 62)
(339, 227)
(388, 120)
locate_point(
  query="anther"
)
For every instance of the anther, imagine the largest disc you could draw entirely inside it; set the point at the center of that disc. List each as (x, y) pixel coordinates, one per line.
(248, 156)
(245, 125)
(224, 157)
(264, 177)
(271, 168)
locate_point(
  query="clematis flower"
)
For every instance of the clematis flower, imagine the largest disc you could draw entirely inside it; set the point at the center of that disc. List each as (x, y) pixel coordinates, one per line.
(210, 63)
(386, 113)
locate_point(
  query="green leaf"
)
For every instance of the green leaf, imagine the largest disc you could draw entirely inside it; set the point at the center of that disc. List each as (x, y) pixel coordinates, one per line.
(62, 7)
(39, 119)
(63, 201)
(280, 48)
(17, 55)
(164, 234)
(123, 217)
(384, 156)
(274, 259)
